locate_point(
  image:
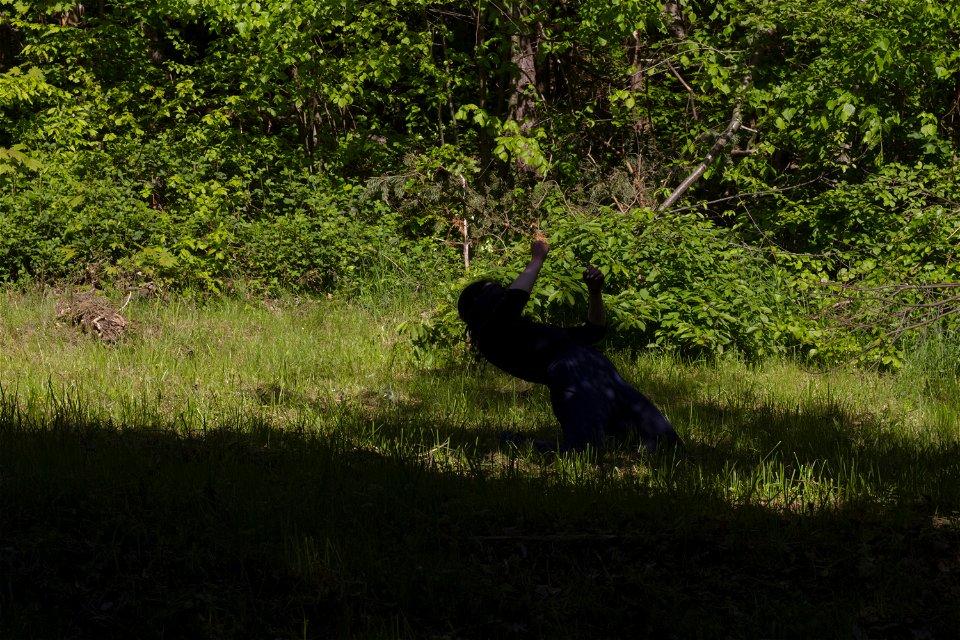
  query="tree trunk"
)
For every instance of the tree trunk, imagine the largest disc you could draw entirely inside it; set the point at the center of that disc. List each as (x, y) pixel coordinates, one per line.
(638, 79)
(522, 106)
(674, 11)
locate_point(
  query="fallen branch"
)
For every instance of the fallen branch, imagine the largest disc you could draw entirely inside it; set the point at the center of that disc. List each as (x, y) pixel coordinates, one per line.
(897, 287)
(881, 312)
(736, 121)
(741, 196)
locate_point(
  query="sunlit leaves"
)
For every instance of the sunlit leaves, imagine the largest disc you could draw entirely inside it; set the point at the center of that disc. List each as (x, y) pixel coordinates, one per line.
(15, 157)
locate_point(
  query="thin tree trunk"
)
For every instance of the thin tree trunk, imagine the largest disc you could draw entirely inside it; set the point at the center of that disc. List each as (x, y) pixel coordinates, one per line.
(638, 79)
(674, 10)
(466, 245)
(522, 107)
(483, 81)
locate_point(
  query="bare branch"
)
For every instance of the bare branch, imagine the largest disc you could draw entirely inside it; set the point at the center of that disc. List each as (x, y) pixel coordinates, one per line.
(741, 196)
(897, 287)
(735, 122)
(693, 95)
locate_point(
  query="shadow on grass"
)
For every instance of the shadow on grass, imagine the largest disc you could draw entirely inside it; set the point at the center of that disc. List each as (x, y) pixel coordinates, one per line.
(872, 458)
(250, 531)
(867, 456)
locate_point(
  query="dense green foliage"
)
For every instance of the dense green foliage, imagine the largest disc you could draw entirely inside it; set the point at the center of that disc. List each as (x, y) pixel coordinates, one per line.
(315, 146)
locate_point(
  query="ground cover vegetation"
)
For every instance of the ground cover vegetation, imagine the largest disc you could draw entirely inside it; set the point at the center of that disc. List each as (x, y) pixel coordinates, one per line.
(235, 468)
(265, 422)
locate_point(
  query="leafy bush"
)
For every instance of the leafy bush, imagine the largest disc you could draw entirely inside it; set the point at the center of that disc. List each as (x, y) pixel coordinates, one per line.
(880, 257)
(677, 283)
(196, 223)
(316, 251)
(57, 225)
(198, 143)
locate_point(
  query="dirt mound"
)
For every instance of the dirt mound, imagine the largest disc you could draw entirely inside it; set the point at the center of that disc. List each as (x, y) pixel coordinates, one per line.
(93, 314)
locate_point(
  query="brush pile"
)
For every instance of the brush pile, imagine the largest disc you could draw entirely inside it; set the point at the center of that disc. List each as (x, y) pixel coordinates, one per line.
(93, 314)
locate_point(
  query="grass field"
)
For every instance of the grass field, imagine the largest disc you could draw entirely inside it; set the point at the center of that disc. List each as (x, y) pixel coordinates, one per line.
(284, 469)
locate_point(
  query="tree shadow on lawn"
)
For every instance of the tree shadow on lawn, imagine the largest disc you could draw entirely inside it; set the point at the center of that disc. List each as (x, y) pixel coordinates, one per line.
(869, 456)
(251, 531)
(866, 454)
